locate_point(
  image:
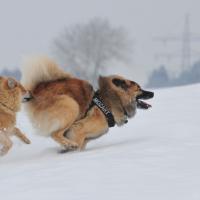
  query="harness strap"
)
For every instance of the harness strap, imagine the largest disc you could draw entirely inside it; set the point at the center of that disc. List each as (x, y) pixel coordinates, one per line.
(96, 101)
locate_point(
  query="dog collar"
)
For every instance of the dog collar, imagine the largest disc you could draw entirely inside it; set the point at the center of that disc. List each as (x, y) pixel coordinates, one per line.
(97, 101)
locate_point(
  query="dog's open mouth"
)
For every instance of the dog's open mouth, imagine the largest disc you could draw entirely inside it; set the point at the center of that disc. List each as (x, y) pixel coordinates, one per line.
(145, 95)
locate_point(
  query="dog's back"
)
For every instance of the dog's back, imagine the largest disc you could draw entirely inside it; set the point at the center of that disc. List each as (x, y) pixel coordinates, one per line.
(78, 89)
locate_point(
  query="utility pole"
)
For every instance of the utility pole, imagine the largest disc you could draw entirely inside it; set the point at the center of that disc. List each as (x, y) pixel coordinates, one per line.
(186, 39)
(186, 50)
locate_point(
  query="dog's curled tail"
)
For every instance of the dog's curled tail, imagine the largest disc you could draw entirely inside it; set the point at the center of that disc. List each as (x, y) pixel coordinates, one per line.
(40, 69)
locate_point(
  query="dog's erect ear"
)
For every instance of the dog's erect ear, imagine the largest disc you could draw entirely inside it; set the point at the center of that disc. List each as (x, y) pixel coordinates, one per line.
(100, 78)
(11, 83)
(120, 83)
(102, 81)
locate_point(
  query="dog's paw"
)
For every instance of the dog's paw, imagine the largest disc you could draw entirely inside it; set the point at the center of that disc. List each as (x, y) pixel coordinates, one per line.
(123, 121)
(27, 141)
(72, 146)
(65, 151)
(69, 147)
(3, 151)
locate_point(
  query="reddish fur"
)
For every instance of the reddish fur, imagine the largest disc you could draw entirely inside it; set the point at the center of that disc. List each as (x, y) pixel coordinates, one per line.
(79, 90)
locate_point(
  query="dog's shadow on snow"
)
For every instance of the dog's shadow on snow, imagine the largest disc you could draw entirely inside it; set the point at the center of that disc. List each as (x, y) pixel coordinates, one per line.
(54, 152)
(118, 144)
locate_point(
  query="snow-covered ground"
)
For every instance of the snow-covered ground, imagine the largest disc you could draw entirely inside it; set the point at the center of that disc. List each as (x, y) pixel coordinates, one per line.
(154, 157)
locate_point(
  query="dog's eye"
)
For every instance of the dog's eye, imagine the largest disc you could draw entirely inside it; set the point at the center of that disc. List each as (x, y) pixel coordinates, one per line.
(120, 83)
(117, 82)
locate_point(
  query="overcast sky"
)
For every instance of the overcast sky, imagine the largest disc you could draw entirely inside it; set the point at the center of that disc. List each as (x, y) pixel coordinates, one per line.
(28, 27)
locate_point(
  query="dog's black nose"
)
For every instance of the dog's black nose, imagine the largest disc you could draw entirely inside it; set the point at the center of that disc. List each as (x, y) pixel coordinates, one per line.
(27, 97)
(146, 95)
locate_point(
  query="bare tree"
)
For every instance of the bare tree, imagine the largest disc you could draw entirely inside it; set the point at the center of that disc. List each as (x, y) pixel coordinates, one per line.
(88, 48)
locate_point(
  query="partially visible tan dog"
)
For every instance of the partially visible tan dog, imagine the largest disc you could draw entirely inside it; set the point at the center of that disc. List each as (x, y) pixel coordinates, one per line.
(11, 93)
(60, 103)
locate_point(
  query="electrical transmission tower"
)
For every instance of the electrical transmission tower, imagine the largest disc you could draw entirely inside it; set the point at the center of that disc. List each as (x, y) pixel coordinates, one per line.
(186, 49)
(186, 38)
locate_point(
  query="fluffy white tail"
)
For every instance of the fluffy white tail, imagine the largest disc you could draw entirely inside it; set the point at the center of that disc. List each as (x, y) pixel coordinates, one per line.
(40, 69)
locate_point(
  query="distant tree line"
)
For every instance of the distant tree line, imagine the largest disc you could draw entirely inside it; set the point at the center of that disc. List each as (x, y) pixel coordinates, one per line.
(12, 73)
(160, 77)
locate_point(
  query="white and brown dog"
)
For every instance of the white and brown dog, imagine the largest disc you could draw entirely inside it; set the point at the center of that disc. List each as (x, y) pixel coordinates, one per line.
(61, 104)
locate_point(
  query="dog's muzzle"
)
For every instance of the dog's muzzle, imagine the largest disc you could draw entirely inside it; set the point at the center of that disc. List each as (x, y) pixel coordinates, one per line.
(144, 95)
(27, 97)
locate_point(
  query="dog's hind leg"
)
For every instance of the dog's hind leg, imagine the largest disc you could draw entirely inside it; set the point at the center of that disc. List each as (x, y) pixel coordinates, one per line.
(6, 142)
(67, 115)
(21, 136)
(63, 113)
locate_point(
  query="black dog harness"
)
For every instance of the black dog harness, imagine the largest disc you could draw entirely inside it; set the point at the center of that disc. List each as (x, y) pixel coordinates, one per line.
(97, 101)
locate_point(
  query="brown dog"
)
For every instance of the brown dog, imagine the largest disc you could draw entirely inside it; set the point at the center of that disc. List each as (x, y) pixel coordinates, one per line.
(11, 93)
(60, 103)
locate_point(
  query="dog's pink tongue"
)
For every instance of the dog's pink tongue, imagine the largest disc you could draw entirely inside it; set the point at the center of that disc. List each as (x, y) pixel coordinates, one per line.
(143, 105)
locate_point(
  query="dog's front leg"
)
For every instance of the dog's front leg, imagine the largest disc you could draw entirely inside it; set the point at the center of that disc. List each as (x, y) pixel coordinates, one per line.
(83, 144)
(6, 142)
(79, 138)
(21, 136)
(58, 136)
(77, 133)
(120, 118)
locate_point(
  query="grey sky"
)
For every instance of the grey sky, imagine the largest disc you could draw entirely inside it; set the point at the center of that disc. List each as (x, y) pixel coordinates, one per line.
(28, 27)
